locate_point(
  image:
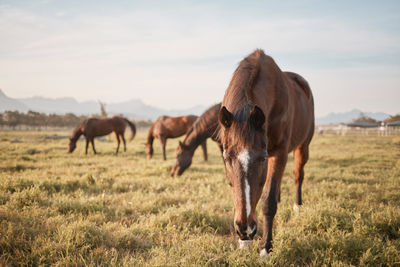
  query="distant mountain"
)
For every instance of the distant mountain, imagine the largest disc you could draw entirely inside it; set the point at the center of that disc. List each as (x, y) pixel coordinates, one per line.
(7, 103)
(60, 105)
(346, 117)
(134, 108)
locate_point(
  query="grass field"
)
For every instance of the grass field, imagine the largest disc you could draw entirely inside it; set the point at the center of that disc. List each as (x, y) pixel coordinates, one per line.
(72, 209)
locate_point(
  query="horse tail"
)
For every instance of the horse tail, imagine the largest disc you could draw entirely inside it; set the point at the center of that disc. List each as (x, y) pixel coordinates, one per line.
(133, 128)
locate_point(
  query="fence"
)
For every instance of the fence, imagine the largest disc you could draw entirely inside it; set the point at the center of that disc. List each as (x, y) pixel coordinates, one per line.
(346, 130)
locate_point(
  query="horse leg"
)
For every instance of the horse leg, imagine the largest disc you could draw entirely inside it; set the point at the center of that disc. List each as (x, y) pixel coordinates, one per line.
(269, 198)
(123, 140)
(92, 141)
(118, 142)
(204, 147)
(87, 145)
(163, 141)
(300, 159)
(220, 148)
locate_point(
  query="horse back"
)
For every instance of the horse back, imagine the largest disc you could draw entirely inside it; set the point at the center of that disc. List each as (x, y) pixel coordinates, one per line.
(172, 127)
(301, 107)
(119, 124)
(98, 127)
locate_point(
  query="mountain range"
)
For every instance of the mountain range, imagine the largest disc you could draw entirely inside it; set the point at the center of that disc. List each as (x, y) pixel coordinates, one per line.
(346, 117)
(136, 109)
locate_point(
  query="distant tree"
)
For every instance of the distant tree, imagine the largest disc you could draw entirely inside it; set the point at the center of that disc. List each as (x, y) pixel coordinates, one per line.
(393, 118)
(37, 119)
(103, 112)
(364, 118)
(12, 118)
(33, 118)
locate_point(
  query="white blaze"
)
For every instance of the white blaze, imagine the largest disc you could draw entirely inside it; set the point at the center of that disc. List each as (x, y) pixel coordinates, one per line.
(247, 191)
(244, 159)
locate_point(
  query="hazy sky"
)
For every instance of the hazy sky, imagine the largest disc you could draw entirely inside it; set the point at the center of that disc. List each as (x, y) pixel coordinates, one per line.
(177, 54)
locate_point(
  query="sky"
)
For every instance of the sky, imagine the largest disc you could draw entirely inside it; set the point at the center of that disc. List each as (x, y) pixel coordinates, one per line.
(178, 54)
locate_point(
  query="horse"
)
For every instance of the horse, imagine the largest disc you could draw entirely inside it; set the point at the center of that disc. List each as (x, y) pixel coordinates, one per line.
(204, 127)
(94, 127)
(265, 114)
(169, 127)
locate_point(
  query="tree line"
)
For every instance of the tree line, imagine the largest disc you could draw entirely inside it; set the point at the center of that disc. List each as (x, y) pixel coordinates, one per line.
(365, 118)
(37, 119)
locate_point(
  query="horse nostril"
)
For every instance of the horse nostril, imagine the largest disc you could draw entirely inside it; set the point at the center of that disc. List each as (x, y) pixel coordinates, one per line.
(241, 230)
(252, 229)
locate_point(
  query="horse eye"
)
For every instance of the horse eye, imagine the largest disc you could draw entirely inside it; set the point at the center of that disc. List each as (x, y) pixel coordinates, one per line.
(262, 158)
(227, 155)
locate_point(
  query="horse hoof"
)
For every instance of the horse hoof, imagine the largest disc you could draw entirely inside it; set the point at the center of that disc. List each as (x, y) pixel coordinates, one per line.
(296, 210)
(263, 253)
(244, 243)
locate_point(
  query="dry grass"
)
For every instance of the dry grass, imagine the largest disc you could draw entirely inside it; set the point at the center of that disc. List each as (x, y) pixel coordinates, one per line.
(61, 209)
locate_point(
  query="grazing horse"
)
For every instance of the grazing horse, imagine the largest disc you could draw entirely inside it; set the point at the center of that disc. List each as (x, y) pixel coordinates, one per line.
(93, 127)
(265, 114)
(169, 127)
(204, 127)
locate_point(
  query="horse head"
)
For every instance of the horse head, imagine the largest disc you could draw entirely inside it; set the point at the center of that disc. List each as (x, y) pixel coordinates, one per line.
(246, 160)
(71, 145)
(183, 159)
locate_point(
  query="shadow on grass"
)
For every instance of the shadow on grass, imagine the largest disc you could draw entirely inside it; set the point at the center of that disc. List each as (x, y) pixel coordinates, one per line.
(16, 168)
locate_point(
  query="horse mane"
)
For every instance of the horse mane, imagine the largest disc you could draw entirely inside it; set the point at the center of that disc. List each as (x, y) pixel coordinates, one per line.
(239, 97)
(239, 92)
(204, 127)
(150, 136)
(77, 132)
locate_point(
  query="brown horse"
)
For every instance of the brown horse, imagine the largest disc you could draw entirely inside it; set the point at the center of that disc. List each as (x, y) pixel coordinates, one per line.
(169, 127)
(265, 114)
(93, 127)
(204, 127)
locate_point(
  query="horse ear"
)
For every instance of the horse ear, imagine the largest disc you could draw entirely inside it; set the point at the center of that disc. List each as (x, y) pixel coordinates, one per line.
(257, 118)
(225, 117)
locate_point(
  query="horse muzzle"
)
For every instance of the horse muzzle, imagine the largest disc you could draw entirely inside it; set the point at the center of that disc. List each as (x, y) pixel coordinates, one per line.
(173, 171)
(246, 232)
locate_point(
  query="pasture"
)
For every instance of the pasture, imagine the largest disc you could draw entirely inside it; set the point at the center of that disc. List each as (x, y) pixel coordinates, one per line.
(99, 210)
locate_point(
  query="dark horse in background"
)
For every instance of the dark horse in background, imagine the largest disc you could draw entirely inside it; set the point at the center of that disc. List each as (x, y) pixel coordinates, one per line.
(204, 127)
(169, 127)
(265, 114)
(94, 127)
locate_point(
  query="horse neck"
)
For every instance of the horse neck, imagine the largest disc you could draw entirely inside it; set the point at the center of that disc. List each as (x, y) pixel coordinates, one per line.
(150, 137)
(196, 136)
(77, 133)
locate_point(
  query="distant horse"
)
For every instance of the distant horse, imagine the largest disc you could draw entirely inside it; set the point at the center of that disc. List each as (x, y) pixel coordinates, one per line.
(265, 114)
(169, 127)
(204, 127)
(93, 127)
